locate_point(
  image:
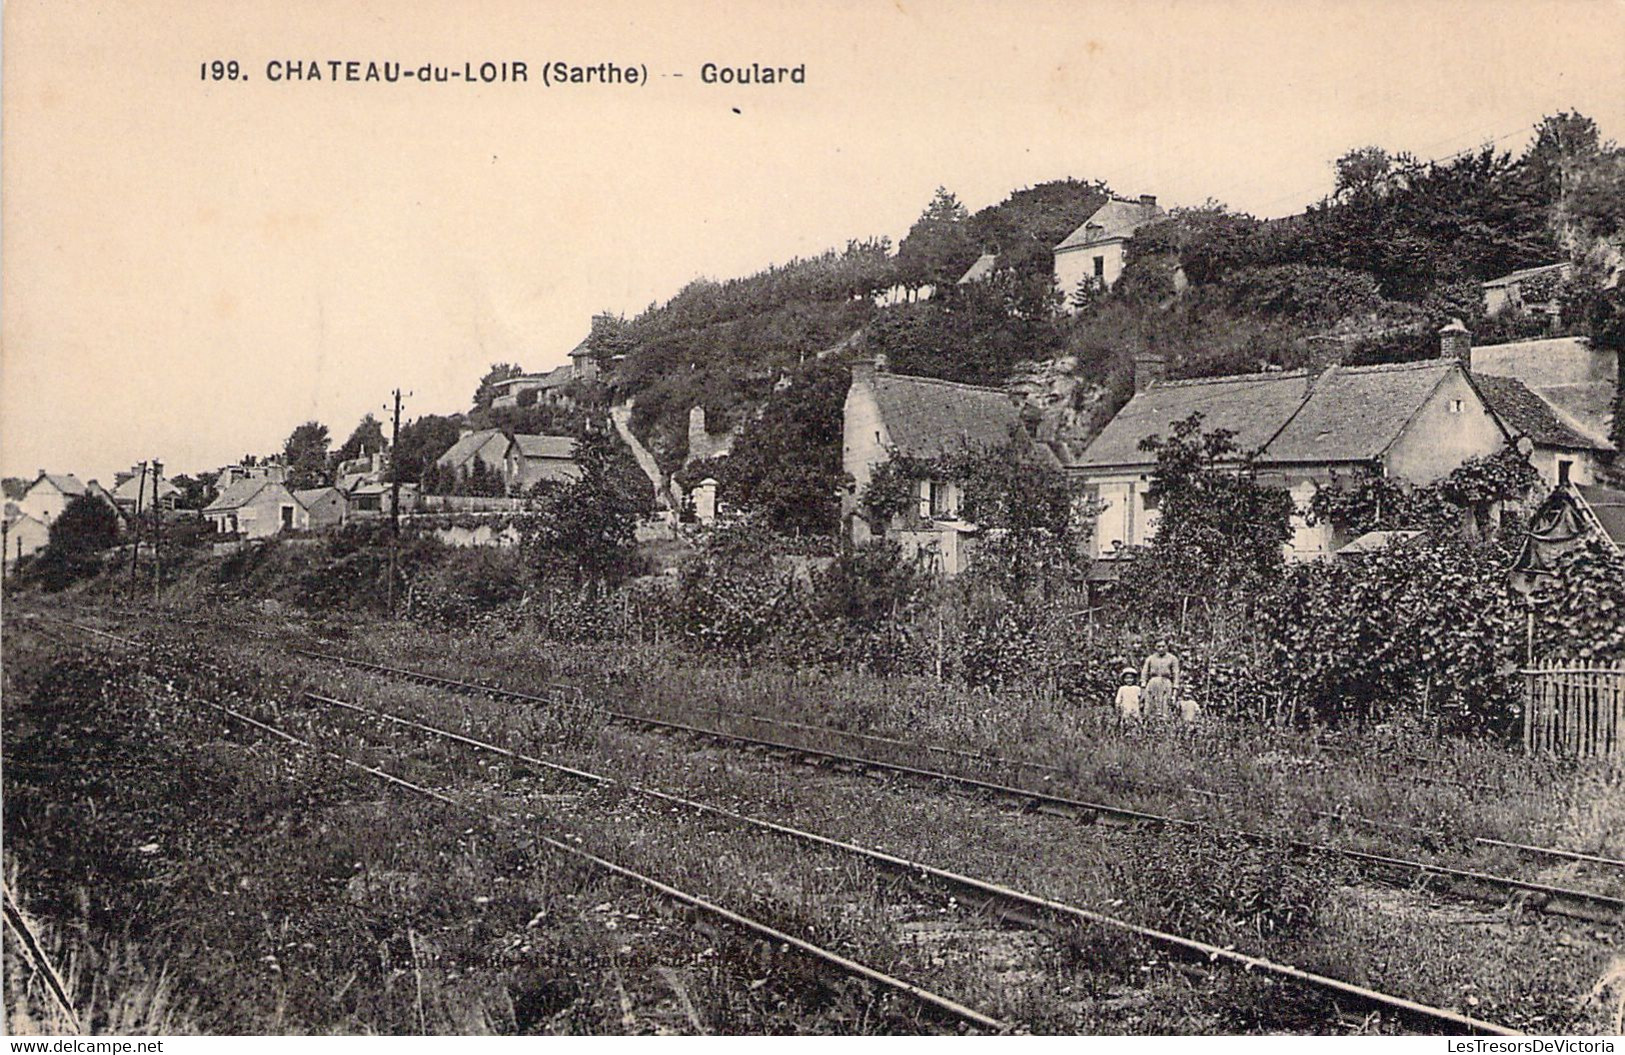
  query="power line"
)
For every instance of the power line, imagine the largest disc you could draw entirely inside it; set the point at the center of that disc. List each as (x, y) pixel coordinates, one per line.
(1477, 145)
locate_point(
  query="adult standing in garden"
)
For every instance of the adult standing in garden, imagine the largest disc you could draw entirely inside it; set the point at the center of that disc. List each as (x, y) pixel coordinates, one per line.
(1159, 680)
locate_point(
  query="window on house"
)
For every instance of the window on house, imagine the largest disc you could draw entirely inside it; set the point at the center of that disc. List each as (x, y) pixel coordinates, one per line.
(1563, 467)
(1100, 267)
(287, 518)
(942, 500)
(1456, 406)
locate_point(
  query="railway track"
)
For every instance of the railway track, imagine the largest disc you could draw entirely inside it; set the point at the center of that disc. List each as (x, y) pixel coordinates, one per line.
(1008, 904)
(1478, 885)
(1012, 905)
(931, 1001)
(1020, 766)
(1483, 886)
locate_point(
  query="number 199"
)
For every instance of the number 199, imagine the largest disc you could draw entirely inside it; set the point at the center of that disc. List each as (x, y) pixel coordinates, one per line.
(219, 71)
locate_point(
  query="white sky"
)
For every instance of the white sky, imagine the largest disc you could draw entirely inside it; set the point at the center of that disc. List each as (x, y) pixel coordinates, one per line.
(192, 269)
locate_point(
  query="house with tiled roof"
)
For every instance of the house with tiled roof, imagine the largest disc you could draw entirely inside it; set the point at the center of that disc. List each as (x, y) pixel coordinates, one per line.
(549, 385)
(138, 487)
(49, 495)
(1531, 289)
(1558, 451)
(1094, 252)
(325, 507)
(889, 415)
(1302, 428)
(518, 461)
(256, 506)
(21, 534)
(1570, 415)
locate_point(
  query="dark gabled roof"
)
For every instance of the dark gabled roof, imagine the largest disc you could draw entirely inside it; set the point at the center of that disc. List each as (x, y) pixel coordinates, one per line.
(1352, 414)
(464, 448)
(928, 418)
(315, 494)
(1356, 413)
(1115, 219)
(1252, 406)
(546, 446)
(1525, 413)
(241, 493)
(1608, 506)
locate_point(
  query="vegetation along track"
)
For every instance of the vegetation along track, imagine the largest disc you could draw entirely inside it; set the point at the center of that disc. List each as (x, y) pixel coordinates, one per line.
(1011, 905)
(932, 1002)
(1484, 886)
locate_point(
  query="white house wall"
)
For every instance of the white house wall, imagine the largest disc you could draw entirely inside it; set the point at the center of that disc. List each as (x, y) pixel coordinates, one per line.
(1075, 265)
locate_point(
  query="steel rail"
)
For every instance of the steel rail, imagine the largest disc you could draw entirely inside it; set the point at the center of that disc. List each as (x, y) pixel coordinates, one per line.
(1018, 763)
(1410, 1008)
(34, 953)
(1555, 897)
(847, 965)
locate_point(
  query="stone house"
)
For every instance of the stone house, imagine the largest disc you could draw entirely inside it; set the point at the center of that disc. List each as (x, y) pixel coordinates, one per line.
(49, 495)
(138, 487)
(1560, 393)
(519, 461)
(326, 507)
(1095, 251)
(1412, 421)
(1533, 290)
(887, 415)
(256, 506)
(550, 385)
(22, 535)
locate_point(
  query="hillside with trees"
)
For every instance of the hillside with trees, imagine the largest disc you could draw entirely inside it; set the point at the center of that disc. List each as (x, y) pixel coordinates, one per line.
(1397, 249)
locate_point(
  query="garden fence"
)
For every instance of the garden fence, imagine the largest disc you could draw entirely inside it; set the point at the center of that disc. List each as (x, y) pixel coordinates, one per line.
(1575, 709)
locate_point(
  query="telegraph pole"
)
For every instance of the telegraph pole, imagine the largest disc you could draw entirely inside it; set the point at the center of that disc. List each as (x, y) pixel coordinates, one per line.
(394, 501)
(395, 477)
(135, 524)
(157, 529)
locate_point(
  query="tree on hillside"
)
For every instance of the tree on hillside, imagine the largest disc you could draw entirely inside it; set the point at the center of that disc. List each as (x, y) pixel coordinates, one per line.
(786, 464)
(422, 441)
(305, 455)
(487, 391)
(610, 336)
(585, 531)
(1564, 144)
(938, 248)
(15, 487)
(367, 438)
(1218, 528)
(86, 527)
(196, 491)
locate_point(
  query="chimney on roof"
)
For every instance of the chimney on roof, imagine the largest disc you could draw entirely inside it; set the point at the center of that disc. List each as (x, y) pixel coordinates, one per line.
(1148, 200)
(1148, 367)
(1456, 342)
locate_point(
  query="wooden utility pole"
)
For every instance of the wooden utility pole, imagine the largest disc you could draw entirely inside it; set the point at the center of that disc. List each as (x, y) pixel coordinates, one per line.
(394, 477)
(394, 502)
(135, 524)
(157, 529)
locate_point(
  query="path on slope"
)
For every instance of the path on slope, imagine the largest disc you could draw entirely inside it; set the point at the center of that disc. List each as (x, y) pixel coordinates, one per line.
(621, 415)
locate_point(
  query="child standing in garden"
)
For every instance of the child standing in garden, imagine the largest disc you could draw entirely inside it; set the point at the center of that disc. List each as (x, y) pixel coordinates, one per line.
(1128, 695)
